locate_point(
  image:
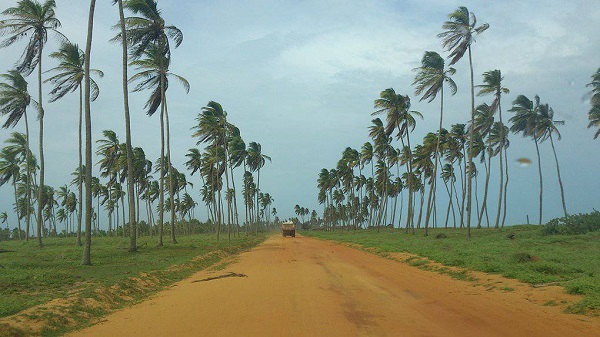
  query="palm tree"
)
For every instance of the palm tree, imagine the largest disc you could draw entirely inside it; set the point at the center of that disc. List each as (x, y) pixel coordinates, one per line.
(499, 142)
(457, 38)
(484, 121)
(525, 121)
(547, 126)
(10, 170)
(400, 117)
(86, 259)
(31, 18)
(430, 81)
(128, 146)
(14, 100)
(594, 113)
(69, 78)
(256, 161)
(492, 84)
(154, 74)
(147, 35)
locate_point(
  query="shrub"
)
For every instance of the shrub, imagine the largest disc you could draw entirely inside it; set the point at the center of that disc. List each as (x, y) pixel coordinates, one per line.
(573, 224)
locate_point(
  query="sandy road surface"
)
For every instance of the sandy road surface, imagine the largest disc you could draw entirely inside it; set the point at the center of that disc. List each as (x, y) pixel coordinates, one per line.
(307, 287)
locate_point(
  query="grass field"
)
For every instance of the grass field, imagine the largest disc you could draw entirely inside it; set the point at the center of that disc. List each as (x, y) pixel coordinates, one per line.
(30, 276)
(572, 261)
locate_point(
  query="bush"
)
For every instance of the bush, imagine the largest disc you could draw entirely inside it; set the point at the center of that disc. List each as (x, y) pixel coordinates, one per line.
(573, 224)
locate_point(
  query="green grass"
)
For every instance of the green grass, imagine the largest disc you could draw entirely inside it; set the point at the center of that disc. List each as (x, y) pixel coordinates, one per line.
(570, 260)
(30, 276)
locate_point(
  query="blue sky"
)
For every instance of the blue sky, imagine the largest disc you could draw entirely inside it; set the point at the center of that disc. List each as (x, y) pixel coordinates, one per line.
(300, 77)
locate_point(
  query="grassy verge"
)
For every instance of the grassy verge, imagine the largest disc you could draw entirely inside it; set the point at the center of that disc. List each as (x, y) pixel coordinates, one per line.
(33, 277)
(568, 260)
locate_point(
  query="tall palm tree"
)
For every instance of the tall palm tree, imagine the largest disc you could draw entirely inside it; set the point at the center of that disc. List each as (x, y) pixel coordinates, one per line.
(594, 113)
(128, 146)
(14, 100)
(547, 127)
(32, 18)
(457, 38)
(68, 78)
(525, 121)
(430, 81)
(154, 74)
(86, 259)
(399, 117)
(484, 120)
(492, 84)
(148, 35)
(256, 161)
(499, 142)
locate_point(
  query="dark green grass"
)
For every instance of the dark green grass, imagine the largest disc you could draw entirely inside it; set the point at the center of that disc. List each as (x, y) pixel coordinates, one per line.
(572, 261)
(30, 276)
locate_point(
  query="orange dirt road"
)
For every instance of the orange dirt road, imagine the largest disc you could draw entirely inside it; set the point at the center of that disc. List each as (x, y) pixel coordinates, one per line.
(307, 287)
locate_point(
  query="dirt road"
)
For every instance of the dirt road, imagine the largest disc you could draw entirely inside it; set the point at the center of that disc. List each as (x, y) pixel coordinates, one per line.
(306, 287)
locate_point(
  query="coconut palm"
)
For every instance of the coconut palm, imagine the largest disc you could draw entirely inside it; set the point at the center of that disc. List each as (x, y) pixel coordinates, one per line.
(525, 121)
(31, 18)
(484, 120)
(457, 38)
(10, 171)
(128, 146)
(594, 113)
(14, 100)
(147, 35)
(547, 127)
(256, 161)
(86, 256)
(492, 84)
(153, 73)
(399, 117)
(68, 78)
(430, 81)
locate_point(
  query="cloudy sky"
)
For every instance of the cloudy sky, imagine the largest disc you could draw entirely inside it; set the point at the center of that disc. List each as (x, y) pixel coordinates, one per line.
(300, 78)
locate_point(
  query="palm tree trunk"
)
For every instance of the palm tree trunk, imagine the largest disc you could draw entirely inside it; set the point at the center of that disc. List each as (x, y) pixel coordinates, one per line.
(562, 190)
(236, 215)
(485, 190)
(17, 208)
(502, 139)
(257, 192)
(40, 200)
(169, 168)
(79, 175)
(505, 185)
(86, 259)
(161, 189)
(537, 149)
(470, 173)
(437, 151)
(28, 181)
(130, 195)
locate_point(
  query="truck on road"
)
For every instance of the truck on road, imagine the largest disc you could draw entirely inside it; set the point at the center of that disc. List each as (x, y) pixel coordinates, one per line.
(288, 229)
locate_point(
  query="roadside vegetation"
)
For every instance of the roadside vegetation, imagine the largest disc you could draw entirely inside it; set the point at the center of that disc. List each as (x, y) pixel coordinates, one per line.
(538, 255)
(32, 277)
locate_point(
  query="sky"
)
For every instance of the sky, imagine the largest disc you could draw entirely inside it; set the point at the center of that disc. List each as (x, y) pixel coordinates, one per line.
(300, 78)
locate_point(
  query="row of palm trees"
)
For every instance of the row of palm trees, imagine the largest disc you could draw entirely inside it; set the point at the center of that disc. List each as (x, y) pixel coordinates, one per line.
(224, 151)
(113, 165)
(147, 43)
(354, 200)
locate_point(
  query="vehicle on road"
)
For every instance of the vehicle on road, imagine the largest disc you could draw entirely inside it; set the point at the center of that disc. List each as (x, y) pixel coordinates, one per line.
(288, 229)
